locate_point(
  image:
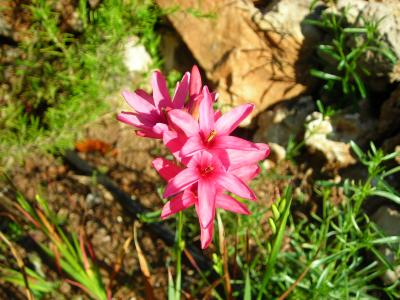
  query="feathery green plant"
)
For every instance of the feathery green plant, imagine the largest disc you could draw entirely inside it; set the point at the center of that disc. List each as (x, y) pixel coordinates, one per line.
(63, 79)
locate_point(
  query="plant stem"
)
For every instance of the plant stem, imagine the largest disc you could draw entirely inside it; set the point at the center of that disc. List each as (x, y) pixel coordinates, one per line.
(179, 246)
(276, 246)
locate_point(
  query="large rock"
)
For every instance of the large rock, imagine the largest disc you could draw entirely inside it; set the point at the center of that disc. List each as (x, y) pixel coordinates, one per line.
(287, 17)
(387, 12)
(246, 63)
(136, 57)
(388, 220)
(389, 116)
(284, 120)
(331, 136)
(317, 140)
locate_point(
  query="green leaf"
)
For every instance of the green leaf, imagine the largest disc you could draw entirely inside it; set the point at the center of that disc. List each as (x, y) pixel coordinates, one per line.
(357, 150)
(171, 286)
(382, 258)
(247, 286)
(329, 50)
(388, 54)
(360, 85)
(324, 75)
(387, 240)
(355, 30)
(387, 195)
(391, 171)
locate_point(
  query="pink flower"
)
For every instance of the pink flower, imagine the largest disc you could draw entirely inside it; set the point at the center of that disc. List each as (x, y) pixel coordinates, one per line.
(212, 130)
(149, 115)
(203, 184)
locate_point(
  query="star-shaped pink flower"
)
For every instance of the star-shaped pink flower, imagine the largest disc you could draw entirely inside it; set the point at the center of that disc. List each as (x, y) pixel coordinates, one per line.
(203, 184)
(149, 115)
(212, 130)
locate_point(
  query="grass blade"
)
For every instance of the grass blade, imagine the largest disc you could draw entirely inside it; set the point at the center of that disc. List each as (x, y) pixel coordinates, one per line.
(247, 286)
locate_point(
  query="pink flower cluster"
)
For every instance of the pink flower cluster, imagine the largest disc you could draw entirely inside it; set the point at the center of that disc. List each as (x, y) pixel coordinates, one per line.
(209, 162)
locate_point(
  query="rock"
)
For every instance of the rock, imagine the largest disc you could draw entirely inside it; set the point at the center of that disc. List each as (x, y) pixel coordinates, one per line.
(94, 3)
(392, 144)
(387, 12)
(176, 56)
(246, 63)
(394, 75)
(287, 16)
(268, 164)
(5, 28)
(278, 153)
(284, 120)
(388, 219)
(92, 199)
(136, 57)
(317, 139)
(332, 136)
(389, 115)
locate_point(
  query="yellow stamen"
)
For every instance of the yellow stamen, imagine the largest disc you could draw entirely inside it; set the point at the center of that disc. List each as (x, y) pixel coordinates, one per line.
(212, 135)
(207, 170)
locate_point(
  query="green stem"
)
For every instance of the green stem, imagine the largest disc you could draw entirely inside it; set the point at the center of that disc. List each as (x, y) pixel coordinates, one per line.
(276, 246)
(179, 246)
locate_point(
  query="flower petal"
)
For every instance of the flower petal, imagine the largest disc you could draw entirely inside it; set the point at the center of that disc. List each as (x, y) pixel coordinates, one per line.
(166, 168)
(206, 200)
(206, 235)
(183, 180)
(138, 103)
(174, 142)
(192, 145)
(145, 96)
(195, 82)
(206, 113)
(181, 92)
(238, 158)
(183, 121)
(246, 173)
(160, 91)
(149, 133)
(178, 203)
(228, 203)
(232, 142)
(235, 185)
(217, 115)
(133, 120)
(229, 121)
(193, 106)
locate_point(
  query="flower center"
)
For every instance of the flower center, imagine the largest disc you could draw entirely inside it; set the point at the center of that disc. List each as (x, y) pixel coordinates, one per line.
(207, 170)
(211, 136)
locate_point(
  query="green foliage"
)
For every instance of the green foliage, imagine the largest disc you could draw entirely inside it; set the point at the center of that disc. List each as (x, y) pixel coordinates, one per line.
(38, 284)
(334, 254)
(345, 56)
(69, 252)
(62, 79)
(293, 148)
(331, 249)
(326, 112)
